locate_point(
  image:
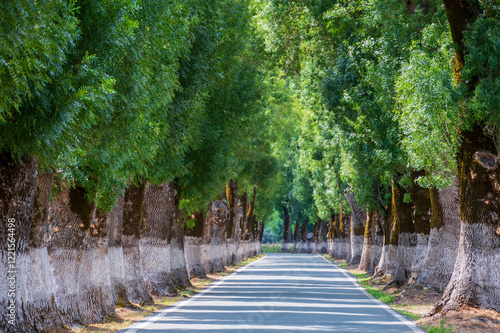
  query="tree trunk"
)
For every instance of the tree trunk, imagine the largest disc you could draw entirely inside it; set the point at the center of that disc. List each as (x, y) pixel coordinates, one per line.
(368, 243)
(285, 243)
(135, 284)
(155, 241)
(421, 216)
(323, 235)
(296, 232)
(178, 267)
(78, 251)
(345, 238)
(389, 256)
(477, 269)
(444, 238)
(379, 220)
(27, 291)
(333, 235)
(407, 237)
(116, 256)
(244, 225)
(251, 224)
(303, 237)
(255, 236)
(314, 234)
(261, 234)
(358, 219)
(219, 215)
(233, 223)
(206, 240)
(193, 247)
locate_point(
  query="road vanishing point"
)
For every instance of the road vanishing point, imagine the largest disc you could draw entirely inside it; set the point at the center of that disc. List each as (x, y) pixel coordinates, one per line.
(279, 293)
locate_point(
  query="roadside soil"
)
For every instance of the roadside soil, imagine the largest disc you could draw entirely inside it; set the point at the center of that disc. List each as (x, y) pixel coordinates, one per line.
(416, 302)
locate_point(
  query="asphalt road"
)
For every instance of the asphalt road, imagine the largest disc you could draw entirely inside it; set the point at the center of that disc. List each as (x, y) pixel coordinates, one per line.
(279, 293)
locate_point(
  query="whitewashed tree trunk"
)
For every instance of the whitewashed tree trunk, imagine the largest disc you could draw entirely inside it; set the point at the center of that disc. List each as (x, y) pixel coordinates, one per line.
(135, 284)
(219, 215)
(444, 237)
(368, 243)
(358, 219)
(115, 254)
(78, 251)
(345, 239)
(25, 262)
(193, 247)
(178, 266)
(379, 240)
(155, 240)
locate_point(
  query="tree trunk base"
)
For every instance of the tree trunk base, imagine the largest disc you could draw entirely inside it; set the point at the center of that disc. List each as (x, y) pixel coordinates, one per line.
(156, 267)
(475, 279)
(377, 253)
(419, 258)
(366, 256)
(407, 245)
(356, 249)
(178, 270)
(193, 250)
(388, 260)
(117, 276)
(135, 284)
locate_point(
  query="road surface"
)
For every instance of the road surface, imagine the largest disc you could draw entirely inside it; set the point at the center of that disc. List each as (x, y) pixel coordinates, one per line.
(279, 293)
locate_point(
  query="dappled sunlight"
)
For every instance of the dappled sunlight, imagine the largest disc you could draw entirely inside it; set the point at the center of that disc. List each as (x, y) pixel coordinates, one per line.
(269, 298)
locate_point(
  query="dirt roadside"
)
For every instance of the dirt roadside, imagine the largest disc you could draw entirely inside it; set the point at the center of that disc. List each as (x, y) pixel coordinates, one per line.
(417, 302)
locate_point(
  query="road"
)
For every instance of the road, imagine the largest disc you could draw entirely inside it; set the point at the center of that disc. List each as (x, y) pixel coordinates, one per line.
(279, 293)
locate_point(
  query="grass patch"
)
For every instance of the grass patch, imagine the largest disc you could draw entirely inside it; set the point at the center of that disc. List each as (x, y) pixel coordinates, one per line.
(271, 248)
(442, 328)
(411, 315)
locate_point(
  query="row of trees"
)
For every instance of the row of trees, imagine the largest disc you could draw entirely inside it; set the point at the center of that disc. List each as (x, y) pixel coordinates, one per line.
(120, 124)
(398, 143)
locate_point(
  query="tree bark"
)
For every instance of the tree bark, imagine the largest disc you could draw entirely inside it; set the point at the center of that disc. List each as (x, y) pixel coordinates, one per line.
(477, 269)
(251, 224)
(421, 216)
(238, 228)
(368, 243)
(255, 236)
(261, 234)
(444, 238)
(333, 235)
(358, 219)
(78, 251)
(379, 220)
(219, 215)
(296, 232)
(388, 258)
(135, 283)
(115, 253)
(303, 237)
(155, 241)
(345, 238)
(244, 225)
(233, 223)
(323, 236)
(407, 238)
(193, 247)
(285, 243)
(207, 237)
(24, 213)
(178, 267)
